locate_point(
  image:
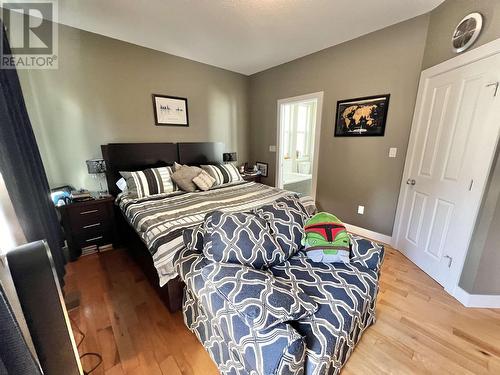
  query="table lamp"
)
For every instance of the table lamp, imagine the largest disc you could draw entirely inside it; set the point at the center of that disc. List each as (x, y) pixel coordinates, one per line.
(96, 168)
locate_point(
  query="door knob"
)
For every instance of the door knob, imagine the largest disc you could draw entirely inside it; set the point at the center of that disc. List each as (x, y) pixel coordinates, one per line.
(411, 181)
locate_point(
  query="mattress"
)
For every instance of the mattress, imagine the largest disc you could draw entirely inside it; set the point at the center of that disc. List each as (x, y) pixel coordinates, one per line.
(159, 220)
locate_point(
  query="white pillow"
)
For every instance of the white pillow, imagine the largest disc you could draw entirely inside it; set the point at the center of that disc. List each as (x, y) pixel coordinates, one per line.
(122, 184)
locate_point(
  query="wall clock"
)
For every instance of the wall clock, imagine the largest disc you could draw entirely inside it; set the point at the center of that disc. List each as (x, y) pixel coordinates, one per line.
(467, 32)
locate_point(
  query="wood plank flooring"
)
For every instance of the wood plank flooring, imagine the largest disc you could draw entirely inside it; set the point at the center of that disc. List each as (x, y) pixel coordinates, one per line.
(420, 329)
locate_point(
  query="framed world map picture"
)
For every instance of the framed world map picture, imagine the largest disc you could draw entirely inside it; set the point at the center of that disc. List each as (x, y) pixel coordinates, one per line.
(362, 117)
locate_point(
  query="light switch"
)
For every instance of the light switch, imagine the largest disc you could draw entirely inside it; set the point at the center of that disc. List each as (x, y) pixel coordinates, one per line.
(361, 210)
(393, 152)
(272, 148)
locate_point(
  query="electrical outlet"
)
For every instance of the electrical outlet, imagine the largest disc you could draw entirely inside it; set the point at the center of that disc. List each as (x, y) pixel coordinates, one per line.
(361, 210)
(393, 152)
(272, 148)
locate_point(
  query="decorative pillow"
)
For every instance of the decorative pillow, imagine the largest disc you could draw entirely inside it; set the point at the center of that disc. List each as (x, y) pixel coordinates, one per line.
(257, 296)
(326, 239)
(193, 238)
(223, 173)
(177, 166)
(286, 217)
(204, 181)
(366, 253)
(183, 177)
(240, 238)
(150, 181)
(121, 184)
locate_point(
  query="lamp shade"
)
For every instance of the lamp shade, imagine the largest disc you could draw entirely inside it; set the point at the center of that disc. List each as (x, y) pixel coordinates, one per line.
(95, 166)
(229, 156)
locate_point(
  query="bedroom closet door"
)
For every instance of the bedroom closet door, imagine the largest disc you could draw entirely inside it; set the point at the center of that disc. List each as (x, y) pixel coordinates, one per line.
(452, 144)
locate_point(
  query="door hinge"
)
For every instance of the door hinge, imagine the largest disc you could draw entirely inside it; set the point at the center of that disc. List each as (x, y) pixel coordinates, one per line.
(450, 260)
(496, 87)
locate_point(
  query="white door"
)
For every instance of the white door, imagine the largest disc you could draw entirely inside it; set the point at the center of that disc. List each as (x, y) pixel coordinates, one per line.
(299, 122)
(453, 139)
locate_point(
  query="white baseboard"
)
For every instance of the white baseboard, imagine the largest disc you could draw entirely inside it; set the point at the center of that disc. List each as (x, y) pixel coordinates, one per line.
(465, 298)
(476, 300)
(369, 234)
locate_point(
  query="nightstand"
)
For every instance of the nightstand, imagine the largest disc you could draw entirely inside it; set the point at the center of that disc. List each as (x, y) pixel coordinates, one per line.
(88, 223)
(252, 177)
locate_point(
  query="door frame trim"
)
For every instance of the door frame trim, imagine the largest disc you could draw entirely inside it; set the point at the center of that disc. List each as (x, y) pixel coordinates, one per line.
(317, 136)
(479, 53)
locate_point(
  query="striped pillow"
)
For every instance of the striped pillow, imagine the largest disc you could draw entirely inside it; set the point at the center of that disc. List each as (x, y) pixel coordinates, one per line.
(223, 173)
(149, 182)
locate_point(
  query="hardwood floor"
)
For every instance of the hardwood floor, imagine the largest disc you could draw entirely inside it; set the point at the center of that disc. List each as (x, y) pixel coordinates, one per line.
(420, 329)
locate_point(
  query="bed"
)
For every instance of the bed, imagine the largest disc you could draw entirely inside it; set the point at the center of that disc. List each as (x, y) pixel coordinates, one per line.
(151, 228)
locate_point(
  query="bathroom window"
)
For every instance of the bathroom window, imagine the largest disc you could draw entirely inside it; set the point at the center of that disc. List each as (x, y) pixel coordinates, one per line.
(297, 126)
(298, 135)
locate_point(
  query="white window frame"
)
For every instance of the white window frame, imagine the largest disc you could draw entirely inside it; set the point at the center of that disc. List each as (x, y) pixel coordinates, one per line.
(318, 96)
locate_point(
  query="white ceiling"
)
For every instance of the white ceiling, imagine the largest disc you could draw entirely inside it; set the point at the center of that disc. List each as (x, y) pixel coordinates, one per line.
(245, 36)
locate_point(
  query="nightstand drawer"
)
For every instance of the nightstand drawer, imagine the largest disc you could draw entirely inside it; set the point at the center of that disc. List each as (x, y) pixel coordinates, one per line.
(96, 238)
(88, 215)
(92, 230)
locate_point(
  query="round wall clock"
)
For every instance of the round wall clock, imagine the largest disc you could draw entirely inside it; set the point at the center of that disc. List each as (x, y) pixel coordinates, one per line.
(467, 32)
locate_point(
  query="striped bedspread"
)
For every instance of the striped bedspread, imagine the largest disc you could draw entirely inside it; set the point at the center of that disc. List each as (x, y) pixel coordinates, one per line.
(161, 219)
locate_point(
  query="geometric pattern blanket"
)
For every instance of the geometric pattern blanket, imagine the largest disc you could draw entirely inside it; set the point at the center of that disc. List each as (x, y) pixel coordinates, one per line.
(160, 220)
(319, 343)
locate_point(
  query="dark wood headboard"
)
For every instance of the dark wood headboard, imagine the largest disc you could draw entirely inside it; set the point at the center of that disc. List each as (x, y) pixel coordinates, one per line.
(139, 156)
(196, 153)
(135, 157)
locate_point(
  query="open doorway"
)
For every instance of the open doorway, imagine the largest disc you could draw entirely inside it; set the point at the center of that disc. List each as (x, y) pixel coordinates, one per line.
(299, 125)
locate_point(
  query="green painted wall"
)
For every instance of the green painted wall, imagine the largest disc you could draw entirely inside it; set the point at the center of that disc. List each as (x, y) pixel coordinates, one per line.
(351, 171)
(445, 18)
(101, 93)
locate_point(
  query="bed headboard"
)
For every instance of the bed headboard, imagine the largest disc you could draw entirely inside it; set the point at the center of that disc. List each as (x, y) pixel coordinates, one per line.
(135, 157)
(139, 156)
(196, 153)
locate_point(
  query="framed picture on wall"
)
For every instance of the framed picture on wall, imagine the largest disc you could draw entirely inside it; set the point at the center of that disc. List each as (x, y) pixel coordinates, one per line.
(362, 117)
(170, 110)
(262, 168)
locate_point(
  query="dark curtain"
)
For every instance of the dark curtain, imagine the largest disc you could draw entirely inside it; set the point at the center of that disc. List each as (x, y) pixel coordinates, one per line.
(22, 169)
